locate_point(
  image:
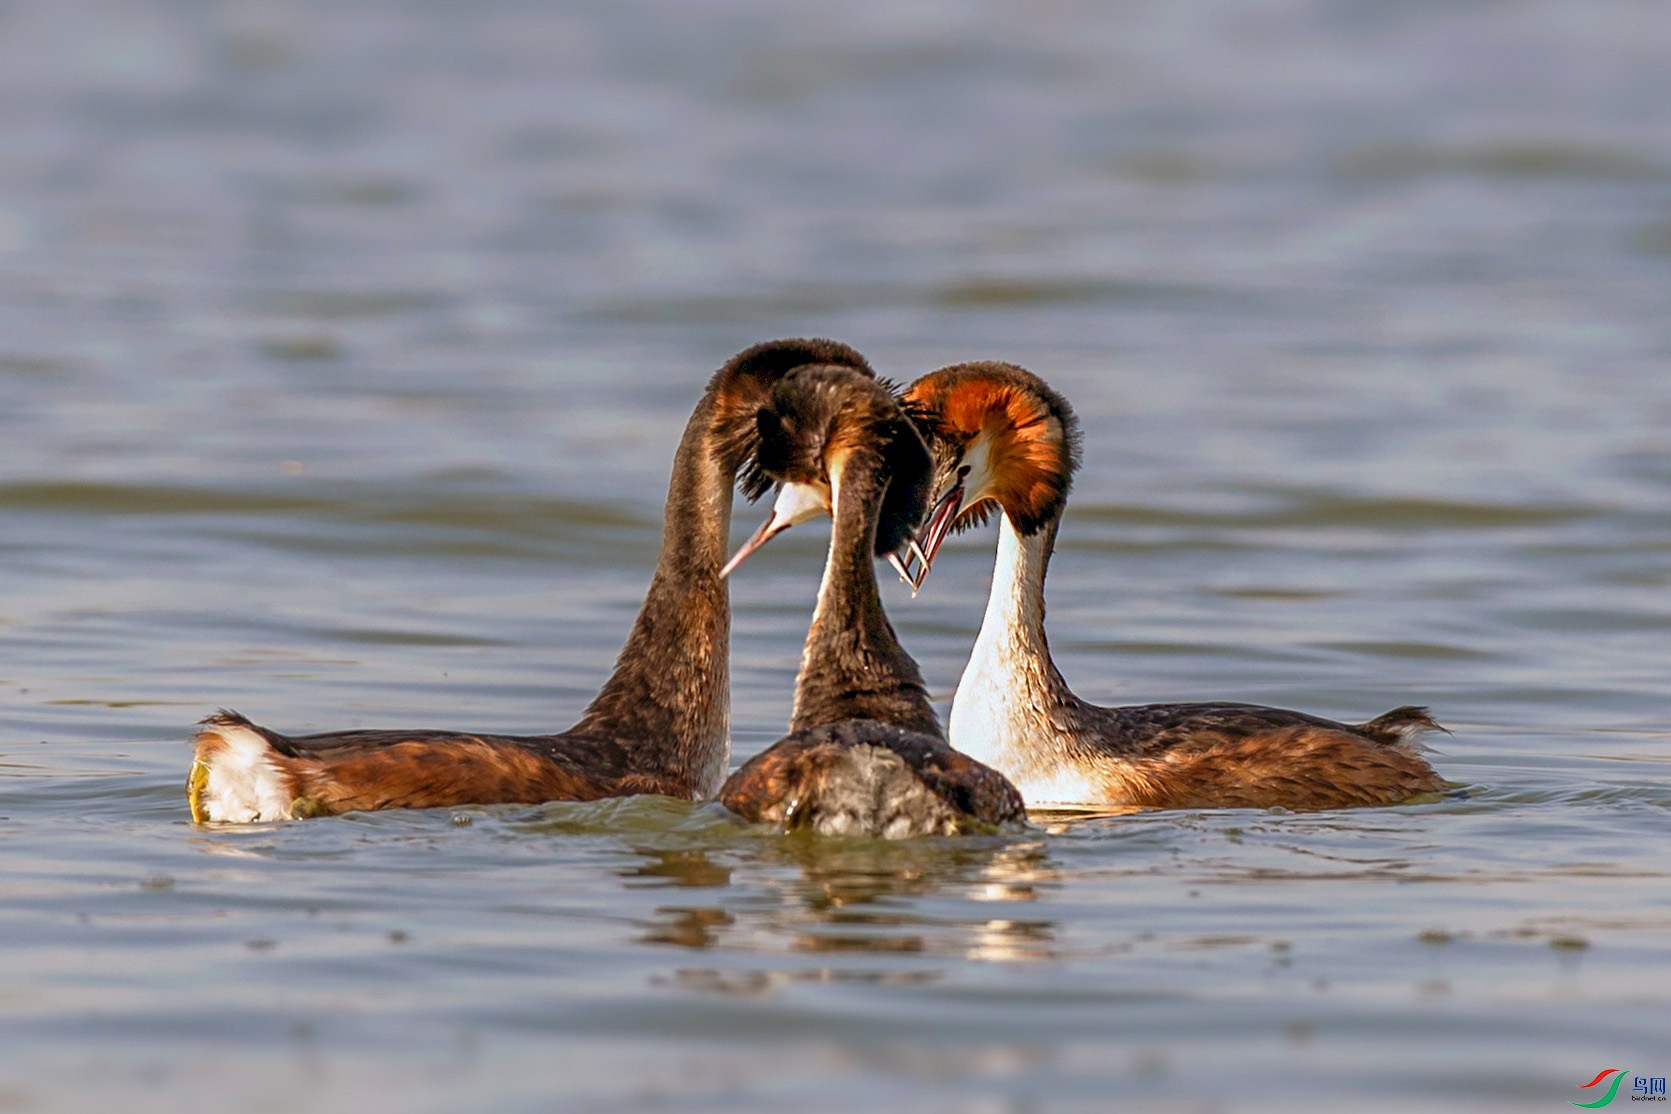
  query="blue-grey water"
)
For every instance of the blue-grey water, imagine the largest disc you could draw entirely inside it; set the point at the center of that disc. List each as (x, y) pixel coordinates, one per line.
(343, 349)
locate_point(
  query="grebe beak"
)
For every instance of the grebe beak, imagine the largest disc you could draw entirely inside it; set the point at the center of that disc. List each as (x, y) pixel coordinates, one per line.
(933, 534)
(903, 569)
(902, 565)
(796, 503)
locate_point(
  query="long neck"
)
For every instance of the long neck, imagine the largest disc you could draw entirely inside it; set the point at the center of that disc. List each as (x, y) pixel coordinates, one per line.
(1012, 707)
(853, 666)
(669, 697)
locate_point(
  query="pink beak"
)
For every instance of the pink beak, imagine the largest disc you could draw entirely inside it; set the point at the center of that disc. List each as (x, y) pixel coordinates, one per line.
(933, 533)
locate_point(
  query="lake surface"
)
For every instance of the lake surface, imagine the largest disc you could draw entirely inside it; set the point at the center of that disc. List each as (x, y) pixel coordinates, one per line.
(343, 350)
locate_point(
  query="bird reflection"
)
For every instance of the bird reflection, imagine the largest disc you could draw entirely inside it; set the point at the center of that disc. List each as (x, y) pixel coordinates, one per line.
(683, 926)
(853, 898)
(689, 869)
(688, 928)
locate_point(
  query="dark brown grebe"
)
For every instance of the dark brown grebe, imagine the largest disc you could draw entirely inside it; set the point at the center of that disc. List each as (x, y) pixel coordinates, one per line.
(865, 754)
(660, 723)
(1004, 439)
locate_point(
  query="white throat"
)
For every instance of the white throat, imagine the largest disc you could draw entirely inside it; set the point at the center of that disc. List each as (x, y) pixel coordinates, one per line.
(999, 702)
(826, 587)
(826, 582)
(1012, 709)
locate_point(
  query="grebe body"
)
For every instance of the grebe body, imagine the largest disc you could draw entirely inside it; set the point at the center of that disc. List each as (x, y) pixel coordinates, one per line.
(660, 724)
(865, 755)
(243, 772)
(867, 778)
(1005, 442)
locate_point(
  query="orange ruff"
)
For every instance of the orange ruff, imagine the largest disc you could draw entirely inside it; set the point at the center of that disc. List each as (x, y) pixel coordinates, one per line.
(1025, 441)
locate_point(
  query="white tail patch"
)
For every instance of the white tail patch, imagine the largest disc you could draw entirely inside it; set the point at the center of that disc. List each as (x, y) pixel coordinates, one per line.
(1404, 727)
(1410, 735)
(236, 777)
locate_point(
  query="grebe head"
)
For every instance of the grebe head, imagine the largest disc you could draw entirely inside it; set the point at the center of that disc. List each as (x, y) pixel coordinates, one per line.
(821, 422)
(1001, 438)
(744, 386)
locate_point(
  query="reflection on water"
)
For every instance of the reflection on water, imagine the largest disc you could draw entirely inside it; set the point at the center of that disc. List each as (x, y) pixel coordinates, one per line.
(681, 868)
(850, 899)
(756, 983)
(821, 896)
(688, 928)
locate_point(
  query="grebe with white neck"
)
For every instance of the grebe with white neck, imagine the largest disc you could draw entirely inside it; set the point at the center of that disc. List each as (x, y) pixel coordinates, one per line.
(1005, 442)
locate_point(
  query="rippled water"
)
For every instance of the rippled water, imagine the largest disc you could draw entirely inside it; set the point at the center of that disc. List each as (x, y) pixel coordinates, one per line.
(343, 348)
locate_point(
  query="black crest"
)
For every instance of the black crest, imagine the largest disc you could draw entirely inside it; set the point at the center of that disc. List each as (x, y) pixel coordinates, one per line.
(744, 386)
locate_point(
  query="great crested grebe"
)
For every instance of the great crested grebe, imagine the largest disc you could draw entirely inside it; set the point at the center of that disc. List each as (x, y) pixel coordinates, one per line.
(865, 754)
(661, 723)
(1003, 439)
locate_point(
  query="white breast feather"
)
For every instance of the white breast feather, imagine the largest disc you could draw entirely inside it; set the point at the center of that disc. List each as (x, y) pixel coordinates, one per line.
(243, 784)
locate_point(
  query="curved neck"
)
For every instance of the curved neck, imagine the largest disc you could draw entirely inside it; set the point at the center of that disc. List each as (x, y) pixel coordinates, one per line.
(853, 666)
(669, 697)
(1012, 703)
(1015, 606)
